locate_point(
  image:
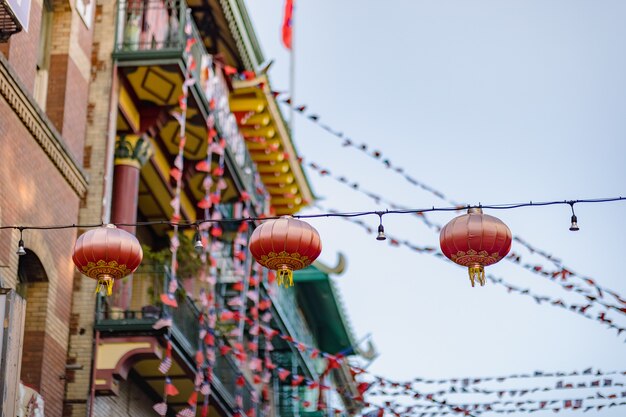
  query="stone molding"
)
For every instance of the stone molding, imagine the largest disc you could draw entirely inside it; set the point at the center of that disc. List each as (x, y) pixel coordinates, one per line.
(38, 124)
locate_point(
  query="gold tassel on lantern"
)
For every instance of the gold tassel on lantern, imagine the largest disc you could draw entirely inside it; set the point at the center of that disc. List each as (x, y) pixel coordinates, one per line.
(285, 277)
(105, 281)
(477, 272)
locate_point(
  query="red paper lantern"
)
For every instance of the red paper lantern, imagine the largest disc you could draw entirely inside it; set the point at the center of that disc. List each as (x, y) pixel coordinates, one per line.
(475, 240)
(107, 253)
(285, 245)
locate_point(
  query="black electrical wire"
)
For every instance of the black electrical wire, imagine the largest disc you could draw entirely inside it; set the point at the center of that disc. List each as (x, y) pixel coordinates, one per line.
(507, 206)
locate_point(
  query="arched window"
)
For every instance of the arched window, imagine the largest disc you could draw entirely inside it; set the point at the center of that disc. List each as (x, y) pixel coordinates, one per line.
(29, 271)
(33, 287)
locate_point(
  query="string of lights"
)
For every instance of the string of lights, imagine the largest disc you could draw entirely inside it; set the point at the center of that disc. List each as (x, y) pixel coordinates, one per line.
(380, 214)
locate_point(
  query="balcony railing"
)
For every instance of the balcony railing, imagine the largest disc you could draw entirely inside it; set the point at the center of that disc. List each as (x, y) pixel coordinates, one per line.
(145, 309)
(162, 29)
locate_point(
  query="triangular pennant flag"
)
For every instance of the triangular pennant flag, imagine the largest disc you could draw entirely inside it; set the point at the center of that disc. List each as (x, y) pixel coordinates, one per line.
(160, 408)
(283, 374)
(170, 389)
(193, 398)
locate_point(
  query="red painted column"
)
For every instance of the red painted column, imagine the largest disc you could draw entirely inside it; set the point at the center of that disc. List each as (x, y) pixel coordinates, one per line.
(131, 152)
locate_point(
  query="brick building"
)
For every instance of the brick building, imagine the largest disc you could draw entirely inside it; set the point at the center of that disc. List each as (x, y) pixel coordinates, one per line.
(94, 97)
(44, 86)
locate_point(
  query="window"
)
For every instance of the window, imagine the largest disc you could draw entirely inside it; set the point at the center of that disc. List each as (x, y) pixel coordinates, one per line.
(43, 55)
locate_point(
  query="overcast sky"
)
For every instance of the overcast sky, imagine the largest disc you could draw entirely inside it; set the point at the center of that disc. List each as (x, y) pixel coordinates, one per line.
(486, 101)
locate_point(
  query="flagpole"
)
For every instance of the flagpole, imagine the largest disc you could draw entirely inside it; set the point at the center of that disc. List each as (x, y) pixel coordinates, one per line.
(292, 71)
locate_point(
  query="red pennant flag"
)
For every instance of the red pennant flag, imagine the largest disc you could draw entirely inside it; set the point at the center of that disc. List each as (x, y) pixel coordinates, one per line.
(224, 350)
(216, 231)
(228, 70)
(296, 380)
(190, 43)
(248, 75)
(182, 102)
(199, 357)
(287, 26)
(169, 300)
(203, 166)
(205, 203)
(227, 315)
(170, 389)
(193, 398)
(283, 373)
(176, 174)
(218, 171)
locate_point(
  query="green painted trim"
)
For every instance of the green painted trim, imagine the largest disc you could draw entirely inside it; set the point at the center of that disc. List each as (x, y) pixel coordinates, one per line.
(242, 31)
(249, 30)
(322, 306)
(148, 57)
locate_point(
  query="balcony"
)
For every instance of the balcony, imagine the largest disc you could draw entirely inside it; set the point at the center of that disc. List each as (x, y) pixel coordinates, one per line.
(131, 331)
(154, 42)
(9, 23)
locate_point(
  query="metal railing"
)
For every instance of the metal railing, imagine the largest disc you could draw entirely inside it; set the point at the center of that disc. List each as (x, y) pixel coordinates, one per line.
(149, 283)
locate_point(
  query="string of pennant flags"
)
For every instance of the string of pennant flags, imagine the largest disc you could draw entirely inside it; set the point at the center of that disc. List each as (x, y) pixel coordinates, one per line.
(519, 392)
(468, 381)
(559, 276)
(239, 352)
(567, 405)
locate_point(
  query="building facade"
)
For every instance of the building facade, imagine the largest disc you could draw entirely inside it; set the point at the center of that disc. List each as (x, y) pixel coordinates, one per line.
(44, 86)
(150, 114)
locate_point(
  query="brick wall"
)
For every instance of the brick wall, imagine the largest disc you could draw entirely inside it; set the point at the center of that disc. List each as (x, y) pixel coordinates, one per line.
(97, 154)
(70, 71)
(35, 193)
(23, 48)
(131, 402)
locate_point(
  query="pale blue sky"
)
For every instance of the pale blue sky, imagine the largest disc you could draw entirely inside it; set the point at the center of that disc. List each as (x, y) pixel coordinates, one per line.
(487, 101)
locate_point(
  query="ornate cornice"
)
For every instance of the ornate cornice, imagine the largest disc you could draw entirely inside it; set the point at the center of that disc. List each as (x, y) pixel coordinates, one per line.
(38, 124)
(248, 46)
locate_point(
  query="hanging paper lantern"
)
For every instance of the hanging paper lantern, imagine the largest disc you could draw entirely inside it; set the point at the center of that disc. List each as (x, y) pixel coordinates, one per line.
(285, 245)
(107, 253)
(475, 240)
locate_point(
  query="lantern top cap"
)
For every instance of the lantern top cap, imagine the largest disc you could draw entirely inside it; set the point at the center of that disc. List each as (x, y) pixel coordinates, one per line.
(474, 210)
(110, 226)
